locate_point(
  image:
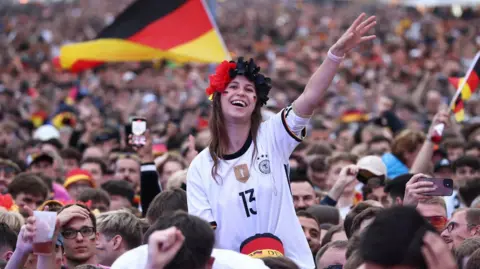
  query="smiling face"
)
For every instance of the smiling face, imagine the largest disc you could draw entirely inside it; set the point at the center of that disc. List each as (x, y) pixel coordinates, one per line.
(238, 101)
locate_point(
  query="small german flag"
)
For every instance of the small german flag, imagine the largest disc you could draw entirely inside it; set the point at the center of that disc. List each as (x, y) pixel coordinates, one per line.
(178, 30)
(354, 115)
(465, 88)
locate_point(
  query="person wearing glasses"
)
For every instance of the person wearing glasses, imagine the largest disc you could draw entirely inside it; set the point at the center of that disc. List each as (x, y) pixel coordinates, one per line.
(434, 210)
(464, 224)
(79, 231)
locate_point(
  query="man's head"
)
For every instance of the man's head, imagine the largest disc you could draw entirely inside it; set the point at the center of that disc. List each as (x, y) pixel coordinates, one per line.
(335, 163)
(443, 169)
(128, 169)
(28, 190)
(119, 231)
(465, 250)
(470, 191)
(434, 210)
(364, 219)
(303, 193)
(71, 158)
(96, 167)
(167, 202)
(395, 238)
(465, 168)
(311, 229)
(396, 188)
(375, 190)
(79, 236)
(454, 148)
(77, 181)
(348, 222)
(317, 172)
(473, 149)
(8, 170)
(121, 194)
(199, 239)
(332, 253)
(379, 145)
(465, 223)
(99, 198)
(406, 145)
(8, 241)
(42, 163)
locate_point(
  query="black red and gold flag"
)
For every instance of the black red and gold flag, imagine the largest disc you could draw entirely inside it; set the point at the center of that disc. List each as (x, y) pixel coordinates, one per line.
(178, 30)
(465, 88)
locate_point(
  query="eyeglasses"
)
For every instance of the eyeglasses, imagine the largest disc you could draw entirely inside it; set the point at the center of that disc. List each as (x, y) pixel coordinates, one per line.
(85, 231)
(452, 225)
(439, 222)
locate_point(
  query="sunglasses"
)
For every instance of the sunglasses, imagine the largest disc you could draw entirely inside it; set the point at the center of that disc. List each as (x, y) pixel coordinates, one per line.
(438, 222)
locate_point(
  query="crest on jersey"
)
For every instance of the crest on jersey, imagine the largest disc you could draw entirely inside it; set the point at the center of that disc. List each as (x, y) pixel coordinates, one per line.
(263, 164)
(241, 172)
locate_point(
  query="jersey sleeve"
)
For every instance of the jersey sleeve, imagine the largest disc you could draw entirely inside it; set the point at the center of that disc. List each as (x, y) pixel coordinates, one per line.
(197, 200)
(288, 129)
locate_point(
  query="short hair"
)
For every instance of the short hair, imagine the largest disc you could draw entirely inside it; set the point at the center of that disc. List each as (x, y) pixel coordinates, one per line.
(354, 261)
(28, 183)
(469, 191)
(13, 219)
(318, 164)
(121, 223)
(453, 143)
(302, 180)
(473, 216)
(395, 237)
(470, 161)
(472, 145)
(347, 223)
(435, 200)
(341, 156)
(199, 239)
(466, 248)
(353, 245)
(120, 188)
(177, 180)
(474, 261)
(328, 236)
(100, 162)
(167, 202)
(171, 158)
(90, 214)
(94, 195)
(378, 139)
(8, 238)
(342, 244)
(71, 153)
(396, 187)
(372, 183)
(319, 148)
(325, 214)
(279, 263)
(406, 141)
(366, 214)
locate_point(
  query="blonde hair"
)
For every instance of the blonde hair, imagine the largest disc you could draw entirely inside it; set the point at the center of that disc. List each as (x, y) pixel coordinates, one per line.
(13, 220)
(123, 223)
(435, 200)
(176, 179)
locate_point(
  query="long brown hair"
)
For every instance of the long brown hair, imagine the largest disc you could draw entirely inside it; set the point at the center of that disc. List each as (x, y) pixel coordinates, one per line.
(219, 138)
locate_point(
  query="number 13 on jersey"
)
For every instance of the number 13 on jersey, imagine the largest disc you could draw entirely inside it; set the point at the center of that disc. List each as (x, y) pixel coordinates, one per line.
(248, 197)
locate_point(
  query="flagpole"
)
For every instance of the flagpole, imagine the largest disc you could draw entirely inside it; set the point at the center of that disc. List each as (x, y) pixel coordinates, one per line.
(462, 84)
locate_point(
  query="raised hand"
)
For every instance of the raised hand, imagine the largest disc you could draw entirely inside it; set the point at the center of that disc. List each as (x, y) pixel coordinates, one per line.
(71, 212)
(163, 246)
(415, 189)
(27, 233)
(355, 35)
(145, 151)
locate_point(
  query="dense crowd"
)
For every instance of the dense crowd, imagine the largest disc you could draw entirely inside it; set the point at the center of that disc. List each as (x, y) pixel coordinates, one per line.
(355, 180)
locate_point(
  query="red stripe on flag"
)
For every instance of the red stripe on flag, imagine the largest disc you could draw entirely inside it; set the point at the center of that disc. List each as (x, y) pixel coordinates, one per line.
(172, 30)
(458, 104)
(473, 81)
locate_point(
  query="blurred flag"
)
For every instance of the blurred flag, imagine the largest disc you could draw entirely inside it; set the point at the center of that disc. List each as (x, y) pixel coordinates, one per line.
(354, 115)
(465, 88)
(178, 30)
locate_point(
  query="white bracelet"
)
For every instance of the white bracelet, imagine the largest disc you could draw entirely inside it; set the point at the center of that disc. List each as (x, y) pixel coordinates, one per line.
(334, 57)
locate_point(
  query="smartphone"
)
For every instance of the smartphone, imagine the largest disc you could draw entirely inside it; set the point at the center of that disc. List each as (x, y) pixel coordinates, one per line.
(139, 127)
(444, 186)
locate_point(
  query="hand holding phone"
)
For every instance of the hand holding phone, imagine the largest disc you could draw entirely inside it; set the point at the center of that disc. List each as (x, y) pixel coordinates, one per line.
(444, 186)
(139, 127)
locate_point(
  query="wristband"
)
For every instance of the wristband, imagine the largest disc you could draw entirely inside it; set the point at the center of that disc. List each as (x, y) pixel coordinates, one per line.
(334, 57)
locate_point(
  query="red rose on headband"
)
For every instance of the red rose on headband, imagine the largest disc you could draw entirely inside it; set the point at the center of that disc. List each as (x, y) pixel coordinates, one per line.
(221, 78)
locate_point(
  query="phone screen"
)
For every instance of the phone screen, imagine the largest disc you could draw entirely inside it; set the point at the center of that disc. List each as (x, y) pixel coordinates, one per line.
(444, 186)
(138, 129)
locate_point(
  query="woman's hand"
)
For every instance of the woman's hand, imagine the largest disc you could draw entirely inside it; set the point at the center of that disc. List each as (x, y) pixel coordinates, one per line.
(354, 35)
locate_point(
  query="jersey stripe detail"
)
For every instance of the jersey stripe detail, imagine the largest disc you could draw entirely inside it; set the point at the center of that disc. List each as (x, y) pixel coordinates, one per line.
(285, 113)
(285, 166)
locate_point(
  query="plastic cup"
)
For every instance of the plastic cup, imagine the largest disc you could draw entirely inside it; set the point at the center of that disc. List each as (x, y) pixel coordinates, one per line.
(45, 223)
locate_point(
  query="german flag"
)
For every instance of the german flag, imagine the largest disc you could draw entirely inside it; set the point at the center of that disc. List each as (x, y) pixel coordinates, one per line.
(465, 88)
(354, 115)
(178, 30)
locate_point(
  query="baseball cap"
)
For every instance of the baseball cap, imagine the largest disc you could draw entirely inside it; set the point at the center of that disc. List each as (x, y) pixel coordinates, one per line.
(443, 163)
(46, 132)
(43, 156)
(372, 166)
(76, 175)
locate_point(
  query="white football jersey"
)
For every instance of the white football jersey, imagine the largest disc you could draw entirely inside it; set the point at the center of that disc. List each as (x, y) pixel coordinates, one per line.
(251, 194)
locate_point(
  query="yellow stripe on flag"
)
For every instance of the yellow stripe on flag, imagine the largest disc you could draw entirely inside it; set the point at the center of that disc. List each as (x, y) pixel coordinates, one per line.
(460, 115)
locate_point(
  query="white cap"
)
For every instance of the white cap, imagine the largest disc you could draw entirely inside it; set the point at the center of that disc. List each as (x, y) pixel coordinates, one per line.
(46, 132)
(373, 164)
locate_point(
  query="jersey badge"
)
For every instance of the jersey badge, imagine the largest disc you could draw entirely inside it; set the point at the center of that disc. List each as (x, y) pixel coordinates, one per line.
(241, 172)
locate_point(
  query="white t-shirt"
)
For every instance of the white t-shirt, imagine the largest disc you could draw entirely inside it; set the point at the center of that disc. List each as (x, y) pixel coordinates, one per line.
(251, 195)
(224, 259)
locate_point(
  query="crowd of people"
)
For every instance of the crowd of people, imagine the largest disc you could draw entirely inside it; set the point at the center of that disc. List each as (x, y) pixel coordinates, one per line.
(313, 161)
